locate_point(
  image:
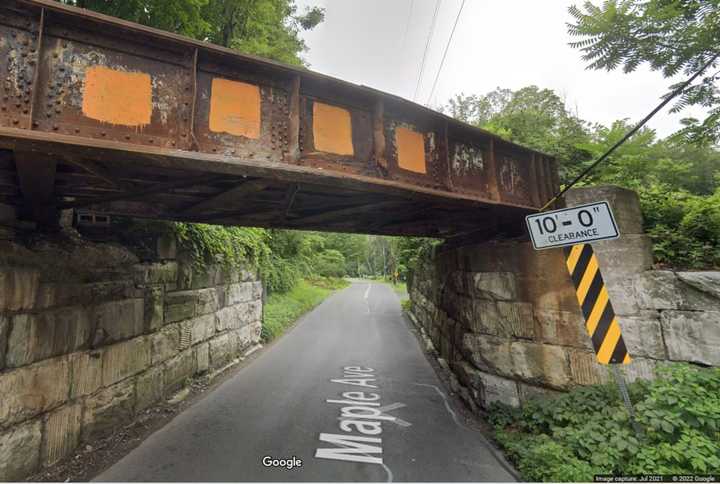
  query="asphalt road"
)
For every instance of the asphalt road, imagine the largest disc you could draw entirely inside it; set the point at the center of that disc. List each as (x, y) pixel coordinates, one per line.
(398, 424)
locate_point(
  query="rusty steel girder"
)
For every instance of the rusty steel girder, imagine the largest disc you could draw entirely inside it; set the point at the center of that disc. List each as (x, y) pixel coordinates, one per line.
(87, 88)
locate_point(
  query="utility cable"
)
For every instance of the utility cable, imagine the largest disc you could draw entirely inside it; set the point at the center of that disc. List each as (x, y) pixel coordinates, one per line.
(447, 46)
(427, 44)
(629, 134)
(407, 25)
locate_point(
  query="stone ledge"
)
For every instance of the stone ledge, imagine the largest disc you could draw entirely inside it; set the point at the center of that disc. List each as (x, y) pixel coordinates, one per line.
(666, 290)
(692, 336)
(180, 305)
(18, 288)
(38, 337)
(563, 328)
(61, 433)
(108, 409)
(643, 335)
(156, 273)
(57, 294)
(20, 451)
(126, 359)
(118, 320)
(32, 390)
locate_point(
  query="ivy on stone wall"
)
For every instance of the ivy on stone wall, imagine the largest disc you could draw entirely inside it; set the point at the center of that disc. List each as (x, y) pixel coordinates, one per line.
(226, 246)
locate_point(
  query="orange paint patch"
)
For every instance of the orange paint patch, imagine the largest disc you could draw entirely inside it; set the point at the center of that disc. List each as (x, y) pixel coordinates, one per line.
(235, 108)
(410, 150)
(332, 129)
(117, 97)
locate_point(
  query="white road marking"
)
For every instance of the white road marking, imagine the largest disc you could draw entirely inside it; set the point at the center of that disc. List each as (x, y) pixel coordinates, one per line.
(495, 453)
(367, 291)
(447, 404)
(390, 418)
(393, 406)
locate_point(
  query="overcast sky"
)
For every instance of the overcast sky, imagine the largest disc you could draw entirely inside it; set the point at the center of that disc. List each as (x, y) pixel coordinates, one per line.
(506, 43)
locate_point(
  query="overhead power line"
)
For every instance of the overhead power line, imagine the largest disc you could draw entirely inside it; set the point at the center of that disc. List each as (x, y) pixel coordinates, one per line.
(427, 44)
(634, 130)
(407, 25)
(447, 46)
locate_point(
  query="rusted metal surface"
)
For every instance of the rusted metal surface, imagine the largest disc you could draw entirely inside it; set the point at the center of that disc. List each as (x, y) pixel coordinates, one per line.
(126, 109)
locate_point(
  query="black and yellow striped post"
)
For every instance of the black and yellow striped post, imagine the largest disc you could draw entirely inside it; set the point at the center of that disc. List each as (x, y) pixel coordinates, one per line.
(600, 320)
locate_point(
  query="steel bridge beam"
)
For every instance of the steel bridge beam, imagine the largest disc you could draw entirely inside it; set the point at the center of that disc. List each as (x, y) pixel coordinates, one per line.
(126, 110)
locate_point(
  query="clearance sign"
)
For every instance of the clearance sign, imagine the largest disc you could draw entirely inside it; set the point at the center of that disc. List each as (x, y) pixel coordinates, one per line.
(574, 229)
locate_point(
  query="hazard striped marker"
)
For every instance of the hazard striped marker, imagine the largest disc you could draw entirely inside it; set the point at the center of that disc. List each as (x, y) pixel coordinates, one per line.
(600, 320)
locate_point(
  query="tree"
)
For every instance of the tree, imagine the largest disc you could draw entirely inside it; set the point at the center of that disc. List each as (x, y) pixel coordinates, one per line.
(330, 263)
(268, 28)
(180, 16)
(534, 117)
(673, 37)
(478, 110)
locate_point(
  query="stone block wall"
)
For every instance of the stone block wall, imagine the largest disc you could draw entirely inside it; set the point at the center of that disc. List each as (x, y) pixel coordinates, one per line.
(506, 317)
(90, 336)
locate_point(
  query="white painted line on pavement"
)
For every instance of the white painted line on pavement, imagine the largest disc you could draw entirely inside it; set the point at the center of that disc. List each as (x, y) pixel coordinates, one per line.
(367, 291)
(447, 404)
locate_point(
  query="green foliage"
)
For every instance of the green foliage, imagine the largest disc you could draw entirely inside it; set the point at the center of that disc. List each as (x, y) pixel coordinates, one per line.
(180, 16)
(677, 182)
(268, 28)
(539, 458)
(291, 258)
(330, 263)
(229, 246)
(283, 309)
(328, 282)
(411, 250)
(534, 117)
(587, 431)
(685, 228)
(670, 36)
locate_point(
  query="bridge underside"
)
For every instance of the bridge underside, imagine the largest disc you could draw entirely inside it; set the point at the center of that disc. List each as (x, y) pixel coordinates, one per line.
(116, 118)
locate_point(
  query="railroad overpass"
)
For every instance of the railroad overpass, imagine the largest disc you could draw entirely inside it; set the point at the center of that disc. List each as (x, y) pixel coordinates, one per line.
(115, 117)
